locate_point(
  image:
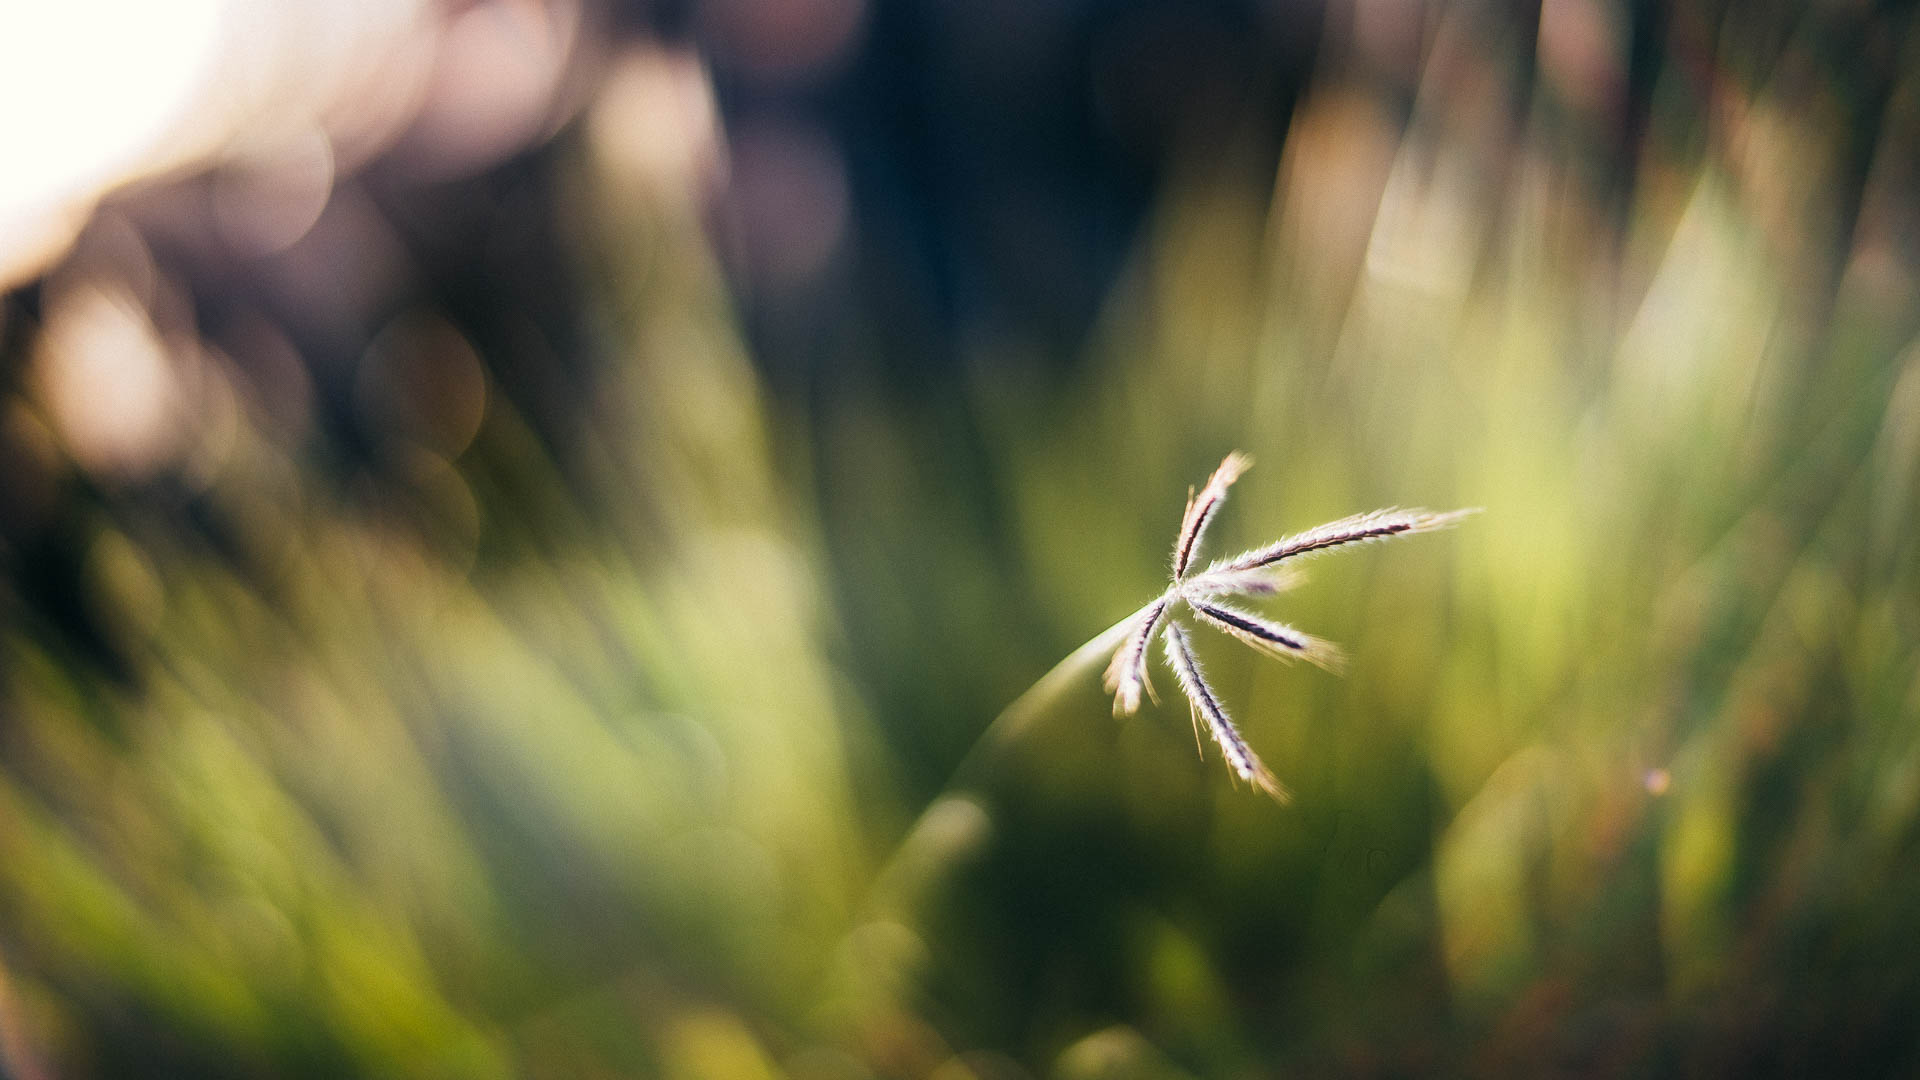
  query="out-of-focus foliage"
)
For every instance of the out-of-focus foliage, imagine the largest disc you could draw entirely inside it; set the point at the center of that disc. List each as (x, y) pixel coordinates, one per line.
(649, 728)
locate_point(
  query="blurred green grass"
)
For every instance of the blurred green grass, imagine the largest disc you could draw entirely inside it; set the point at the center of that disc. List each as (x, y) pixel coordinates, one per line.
(680, 770)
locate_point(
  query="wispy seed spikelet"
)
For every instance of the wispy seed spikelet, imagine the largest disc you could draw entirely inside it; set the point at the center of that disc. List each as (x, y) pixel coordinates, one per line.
(1358, 529)
(1259, 581)
(1256, 573)
(1127, 674)
(1201, 507)
(1206, 705)
(1272, 638)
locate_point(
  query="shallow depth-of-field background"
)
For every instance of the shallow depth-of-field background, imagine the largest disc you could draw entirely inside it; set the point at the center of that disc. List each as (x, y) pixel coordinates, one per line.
(518, 524)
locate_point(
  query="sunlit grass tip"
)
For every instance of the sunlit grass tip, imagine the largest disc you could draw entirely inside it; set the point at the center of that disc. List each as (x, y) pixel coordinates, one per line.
(1203, 596)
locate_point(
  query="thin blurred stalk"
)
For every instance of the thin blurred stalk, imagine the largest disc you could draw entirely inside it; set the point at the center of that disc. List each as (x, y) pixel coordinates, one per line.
(1017, 722)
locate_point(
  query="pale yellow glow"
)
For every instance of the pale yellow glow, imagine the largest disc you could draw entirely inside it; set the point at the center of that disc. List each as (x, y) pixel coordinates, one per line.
(280, 95)
(108, 384)
(656, 123)
(87, 88)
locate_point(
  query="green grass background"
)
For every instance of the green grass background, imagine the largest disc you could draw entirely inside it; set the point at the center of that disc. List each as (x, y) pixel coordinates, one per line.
(686, 763)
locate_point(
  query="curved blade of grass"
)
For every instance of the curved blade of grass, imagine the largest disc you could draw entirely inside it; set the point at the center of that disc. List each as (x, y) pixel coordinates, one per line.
(1006, 729)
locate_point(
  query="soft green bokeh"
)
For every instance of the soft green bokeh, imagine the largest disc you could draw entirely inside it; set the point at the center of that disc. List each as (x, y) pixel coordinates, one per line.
(692, 768)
